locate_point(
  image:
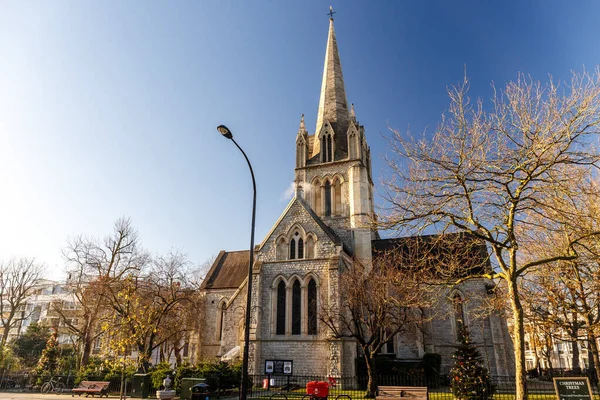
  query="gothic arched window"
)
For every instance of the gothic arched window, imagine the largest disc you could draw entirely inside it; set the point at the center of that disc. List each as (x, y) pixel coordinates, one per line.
(293, 249)
(280, 322)
(221, 321)
(327, 151)
(327, 211)
(300, 248)
(312, 307)
(296, 308)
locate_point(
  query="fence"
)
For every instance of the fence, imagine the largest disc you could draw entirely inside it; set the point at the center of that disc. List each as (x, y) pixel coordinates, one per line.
(31, 383)
(294, 387)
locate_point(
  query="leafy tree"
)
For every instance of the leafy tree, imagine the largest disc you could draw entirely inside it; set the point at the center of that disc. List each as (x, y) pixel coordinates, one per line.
(469, 379)
(146, 307)
(511, 176)
(29, 346)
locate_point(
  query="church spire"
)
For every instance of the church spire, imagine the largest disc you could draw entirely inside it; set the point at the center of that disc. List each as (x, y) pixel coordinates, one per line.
(333, 105)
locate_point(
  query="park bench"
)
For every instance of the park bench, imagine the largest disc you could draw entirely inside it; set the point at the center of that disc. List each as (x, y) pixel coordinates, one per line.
(91, 388)
(394, 392)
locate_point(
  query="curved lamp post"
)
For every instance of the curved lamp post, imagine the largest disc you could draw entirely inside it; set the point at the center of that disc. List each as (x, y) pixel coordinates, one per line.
(223, 130)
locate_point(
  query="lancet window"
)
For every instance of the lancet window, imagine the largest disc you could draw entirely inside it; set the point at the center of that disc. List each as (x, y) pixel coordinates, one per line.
(295, 308)
(327, 211)
(312, 307)
(327, 148)
(296, 247)
(281, 297)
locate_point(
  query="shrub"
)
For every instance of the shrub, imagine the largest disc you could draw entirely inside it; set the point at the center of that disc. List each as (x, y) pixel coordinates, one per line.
(159, 372)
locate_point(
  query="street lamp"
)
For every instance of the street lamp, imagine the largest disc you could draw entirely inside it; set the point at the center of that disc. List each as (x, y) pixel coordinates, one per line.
(223, 130)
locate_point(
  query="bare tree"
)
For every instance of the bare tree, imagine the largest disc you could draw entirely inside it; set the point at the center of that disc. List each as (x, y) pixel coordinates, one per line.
(17, 278)
(377, 304)
(93, 267)
(509, 176)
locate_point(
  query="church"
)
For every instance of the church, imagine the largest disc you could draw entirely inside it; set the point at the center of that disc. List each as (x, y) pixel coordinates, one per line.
(323, 231)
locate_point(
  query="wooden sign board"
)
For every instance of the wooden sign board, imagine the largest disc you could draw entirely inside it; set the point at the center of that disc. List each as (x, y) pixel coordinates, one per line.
(573, 388)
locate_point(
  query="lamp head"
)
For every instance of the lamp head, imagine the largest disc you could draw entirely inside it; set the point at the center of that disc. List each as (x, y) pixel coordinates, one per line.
(223, 130)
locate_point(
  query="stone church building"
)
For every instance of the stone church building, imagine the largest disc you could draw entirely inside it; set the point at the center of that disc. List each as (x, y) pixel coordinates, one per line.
(322, 232)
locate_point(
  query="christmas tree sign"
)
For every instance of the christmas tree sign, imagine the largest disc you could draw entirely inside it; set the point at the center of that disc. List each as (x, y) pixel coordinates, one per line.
(573, 388)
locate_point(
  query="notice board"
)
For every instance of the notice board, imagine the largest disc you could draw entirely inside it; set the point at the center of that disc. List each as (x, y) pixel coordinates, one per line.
(573, 388)
(279, 367)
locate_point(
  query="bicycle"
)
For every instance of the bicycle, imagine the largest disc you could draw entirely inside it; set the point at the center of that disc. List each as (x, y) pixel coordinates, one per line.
(54, 386)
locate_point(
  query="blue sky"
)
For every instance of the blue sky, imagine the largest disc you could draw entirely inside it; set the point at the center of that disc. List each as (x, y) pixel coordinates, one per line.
(109, 108)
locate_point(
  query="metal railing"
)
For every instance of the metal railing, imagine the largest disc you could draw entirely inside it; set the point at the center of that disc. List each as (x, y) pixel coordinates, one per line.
(294, 386)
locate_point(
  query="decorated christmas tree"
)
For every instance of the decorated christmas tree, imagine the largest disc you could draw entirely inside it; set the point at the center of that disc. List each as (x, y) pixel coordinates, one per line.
(470, 380)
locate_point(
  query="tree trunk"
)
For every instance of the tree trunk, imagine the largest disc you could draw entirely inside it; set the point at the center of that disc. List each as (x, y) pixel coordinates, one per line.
(595, 361)
(372, 383)
(177, 352)
(519, 337)
(574, 333)
(86, 351)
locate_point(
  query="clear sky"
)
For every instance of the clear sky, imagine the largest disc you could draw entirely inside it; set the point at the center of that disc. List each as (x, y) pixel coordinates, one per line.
(109, 108)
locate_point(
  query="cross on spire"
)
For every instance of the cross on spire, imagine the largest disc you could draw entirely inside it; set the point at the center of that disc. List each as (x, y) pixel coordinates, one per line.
(331, 12)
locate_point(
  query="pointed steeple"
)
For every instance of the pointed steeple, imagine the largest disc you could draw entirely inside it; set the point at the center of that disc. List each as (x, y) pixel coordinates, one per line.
(333, 105)
(352, 113)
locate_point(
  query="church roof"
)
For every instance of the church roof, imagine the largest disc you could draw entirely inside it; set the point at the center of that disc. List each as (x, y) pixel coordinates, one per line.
(458, 253)
(228, 271)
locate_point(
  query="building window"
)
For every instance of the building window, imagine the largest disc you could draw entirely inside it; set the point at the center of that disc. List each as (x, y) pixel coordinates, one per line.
(388, 347)
(293, 249)
(327, 211)
(327, 148)
(280, 323)
(312, 307)
(300, 248)
(221, 322)
(296, 247)
(296, 308)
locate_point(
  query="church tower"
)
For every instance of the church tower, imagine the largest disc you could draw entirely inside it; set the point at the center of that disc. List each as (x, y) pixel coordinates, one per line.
(333, 165)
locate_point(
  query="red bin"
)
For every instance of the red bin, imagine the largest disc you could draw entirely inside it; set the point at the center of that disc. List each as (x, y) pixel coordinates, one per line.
(310, 388)
(322, 389)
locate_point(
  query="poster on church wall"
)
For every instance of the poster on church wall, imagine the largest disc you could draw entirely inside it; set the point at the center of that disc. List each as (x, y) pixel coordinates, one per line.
(279, 367)
(573, 388)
